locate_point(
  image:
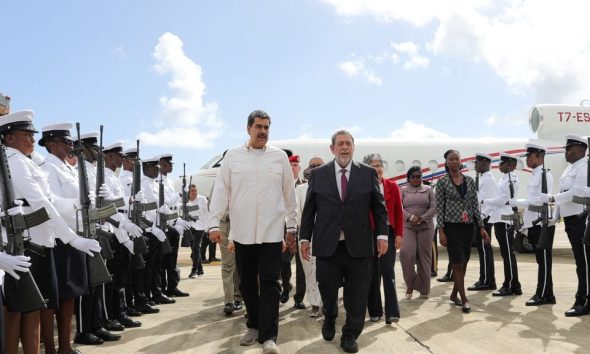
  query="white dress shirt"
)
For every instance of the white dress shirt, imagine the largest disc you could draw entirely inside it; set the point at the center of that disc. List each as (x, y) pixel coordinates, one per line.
(497, 203)
(171, 197)
(149, 187)
(63, 182)
(257, 186)
(300, 193)
(486, 190)
(574, 175)
(126, 178)
(533, 193)
(30, 182)
(111, 180)
(202, 213)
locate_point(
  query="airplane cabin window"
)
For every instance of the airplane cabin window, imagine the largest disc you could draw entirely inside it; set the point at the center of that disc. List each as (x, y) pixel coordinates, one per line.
(416, 163)
(400, 166)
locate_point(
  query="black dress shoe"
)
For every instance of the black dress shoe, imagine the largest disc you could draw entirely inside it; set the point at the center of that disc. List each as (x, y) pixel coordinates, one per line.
(479, 286)
(577, 310)
(177, 292)
(444, 279)
(214, 259)
(466, 308)
(349, 345)
(114, 325)
(228, 309)
(133, 312)
(536, 300)
(106, 335)
(147, 309)
(151, 302)
(507, 292)
(284, 298)
(238, 305)
(129, 323)
(299, 305)
(87, 338)
(329, 329)
(163, 299)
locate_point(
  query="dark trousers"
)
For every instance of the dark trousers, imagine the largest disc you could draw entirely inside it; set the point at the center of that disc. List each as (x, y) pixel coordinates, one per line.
(382, 267)
(574, 227)
(544, 261)
(355, 274)
(212, 248)
(170, 274)
(286, 275)
(196, 241)
(487, 274)
(505, 236)
(151, 272)
(259, 269)
(120, 268)
(88, 310)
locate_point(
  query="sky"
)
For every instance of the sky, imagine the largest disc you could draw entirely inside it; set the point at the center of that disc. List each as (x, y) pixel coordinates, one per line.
(182, 76)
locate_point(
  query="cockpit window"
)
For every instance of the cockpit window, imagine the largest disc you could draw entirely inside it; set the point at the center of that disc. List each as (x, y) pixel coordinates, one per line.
(214, 162)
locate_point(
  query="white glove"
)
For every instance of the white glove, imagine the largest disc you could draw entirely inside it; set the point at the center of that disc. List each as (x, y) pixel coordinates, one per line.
(92, 197)
(139, 196)
(17, 210)
(86, 245)
(164, 209)
(12, 264)
(186, 188)
(183, 223)
(105, 192)
(544, 198)
(179, 229)
(133, 230)
(160, 235)
(129, 245)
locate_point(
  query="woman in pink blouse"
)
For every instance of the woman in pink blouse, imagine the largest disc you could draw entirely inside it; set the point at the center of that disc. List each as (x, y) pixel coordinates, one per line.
(419, 203)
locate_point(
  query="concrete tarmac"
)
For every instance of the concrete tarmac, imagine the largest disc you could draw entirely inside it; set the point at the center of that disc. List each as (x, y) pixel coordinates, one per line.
(196, 324)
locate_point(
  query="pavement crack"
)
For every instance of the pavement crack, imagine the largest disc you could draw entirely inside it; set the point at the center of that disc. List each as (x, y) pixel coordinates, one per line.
(416, 339)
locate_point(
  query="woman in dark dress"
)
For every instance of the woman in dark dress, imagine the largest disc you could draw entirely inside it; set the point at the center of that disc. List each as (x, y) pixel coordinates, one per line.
(457, 215)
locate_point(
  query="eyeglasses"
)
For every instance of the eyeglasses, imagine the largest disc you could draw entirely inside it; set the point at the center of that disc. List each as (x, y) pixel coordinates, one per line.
(415, 176)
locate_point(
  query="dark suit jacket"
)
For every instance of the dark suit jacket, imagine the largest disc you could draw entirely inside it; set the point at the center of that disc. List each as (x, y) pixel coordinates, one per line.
(325, 214)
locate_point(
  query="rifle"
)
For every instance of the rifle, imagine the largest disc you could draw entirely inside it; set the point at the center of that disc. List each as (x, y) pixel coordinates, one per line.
(515, 216)
(24, 293)
(135, 215)
(586, 202)
(163, 218)
(544, 242)
(97, 270)
(103, 237)
(185, 208)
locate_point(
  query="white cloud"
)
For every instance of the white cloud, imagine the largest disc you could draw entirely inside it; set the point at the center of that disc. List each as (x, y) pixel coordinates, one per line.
(357, 69)
(186, 120)
(417, 131)
(410, 50)
(491, 120)
(541, 46)
(120, 52)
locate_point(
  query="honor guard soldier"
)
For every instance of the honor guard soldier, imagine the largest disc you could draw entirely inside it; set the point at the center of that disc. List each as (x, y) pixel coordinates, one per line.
(126, 173)
(572, 182)
(535, 159)
(486, 186)
(170, 274)
(501, 215)
(122, 245)
(153, 259)
(31, 185)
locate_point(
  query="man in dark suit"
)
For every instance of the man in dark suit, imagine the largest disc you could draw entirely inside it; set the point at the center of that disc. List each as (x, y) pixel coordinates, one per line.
(340, 199)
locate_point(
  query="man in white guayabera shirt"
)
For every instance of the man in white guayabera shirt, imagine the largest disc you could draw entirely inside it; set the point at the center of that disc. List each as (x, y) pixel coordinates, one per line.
(256, 182)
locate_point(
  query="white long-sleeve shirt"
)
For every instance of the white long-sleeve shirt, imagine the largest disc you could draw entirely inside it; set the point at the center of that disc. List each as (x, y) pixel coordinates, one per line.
(171, 197)
(300, 193)
(202, 213)
(126, 178)
(257, 186)
(486, 190)
(533, 193)
(63, 182)
(30, 182)
(574, 175)
(497, 203)
(149, 187)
